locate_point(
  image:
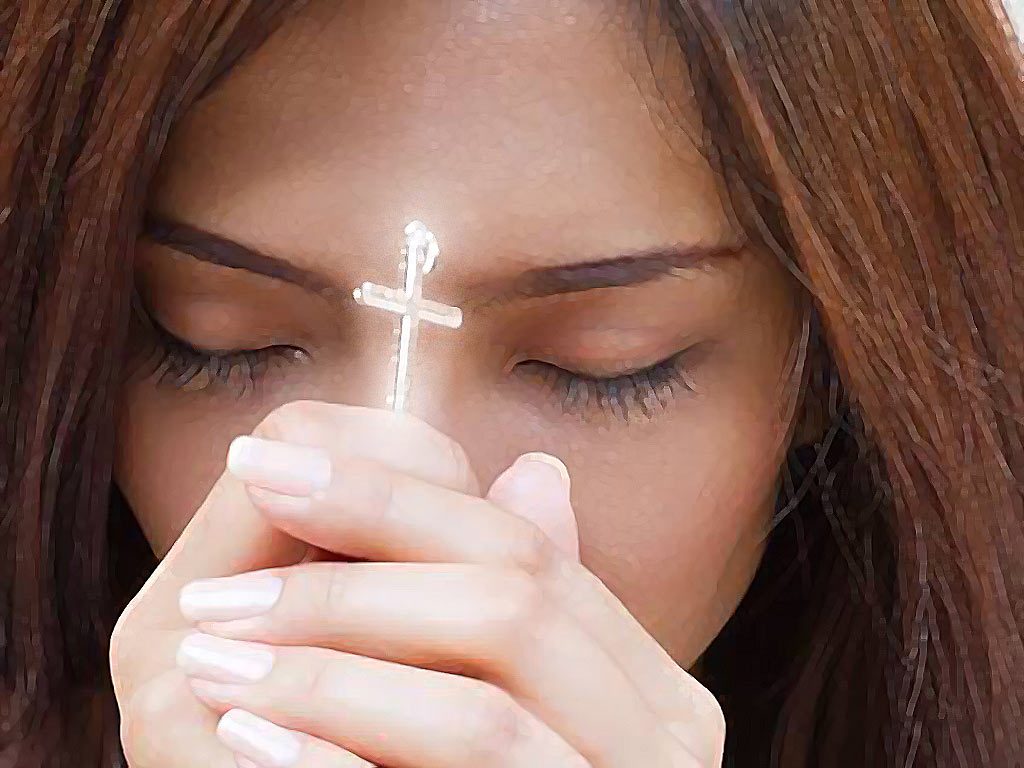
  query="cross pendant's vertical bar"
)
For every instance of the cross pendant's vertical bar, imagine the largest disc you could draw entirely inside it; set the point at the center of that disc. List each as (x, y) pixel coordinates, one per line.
(415, 257)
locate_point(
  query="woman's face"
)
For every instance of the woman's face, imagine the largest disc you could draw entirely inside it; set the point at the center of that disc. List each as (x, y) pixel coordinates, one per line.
(527, 135)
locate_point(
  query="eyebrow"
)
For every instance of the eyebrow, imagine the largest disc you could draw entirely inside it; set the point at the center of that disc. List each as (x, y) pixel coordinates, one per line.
(621, 270)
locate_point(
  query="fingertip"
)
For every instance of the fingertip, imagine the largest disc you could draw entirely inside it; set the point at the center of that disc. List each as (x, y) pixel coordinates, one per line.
(551, 461)
(536, 487)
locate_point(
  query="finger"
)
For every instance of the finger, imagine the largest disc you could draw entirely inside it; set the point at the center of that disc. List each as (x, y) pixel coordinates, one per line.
(537, 488)
(260, 743)
(495, 624)
(228, 535)
(399, 440)
(163, 715)
(372, 512)
(392, 714)
(668, 689)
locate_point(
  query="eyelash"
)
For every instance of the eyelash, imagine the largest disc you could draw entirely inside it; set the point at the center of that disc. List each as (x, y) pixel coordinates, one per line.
(644, 392)
(179, 364)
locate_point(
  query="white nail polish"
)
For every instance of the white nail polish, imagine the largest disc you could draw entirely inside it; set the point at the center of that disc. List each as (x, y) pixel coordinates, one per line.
(223, 660)
(537, 487)
(547, 460)
(296, 470)
(231, 597)
(260, 740)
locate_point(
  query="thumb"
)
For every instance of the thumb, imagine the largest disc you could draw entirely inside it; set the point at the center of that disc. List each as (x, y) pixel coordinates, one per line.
(536, 487)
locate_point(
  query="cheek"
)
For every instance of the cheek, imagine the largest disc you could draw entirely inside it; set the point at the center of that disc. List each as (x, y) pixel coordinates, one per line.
(672, 517)
(169, 455)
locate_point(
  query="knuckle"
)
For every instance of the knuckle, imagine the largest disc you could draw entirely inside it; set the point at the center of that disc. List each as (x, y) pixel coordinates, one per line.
(521, 607)
(142, 718)
(707, 715)
(335, 590)
(493, 726)
(535, 553)
(148, 705)
(454, 466)
(717, 726)
(122, 651)
(527, 602)
(117, 656)
(325, 681)
(698, 727)
(710, 711)
(448, 459)
(377, 495)
(304, 598)
(460, 467)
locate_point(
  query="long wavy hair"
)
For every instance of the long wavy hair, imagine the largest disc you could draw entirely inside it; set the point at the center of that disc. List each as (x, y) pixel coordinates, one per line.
(875, 148)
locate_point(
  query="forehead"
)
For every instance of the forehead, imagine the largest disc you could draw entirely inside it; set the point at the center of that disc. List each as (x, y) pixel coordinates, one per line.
(356, 117)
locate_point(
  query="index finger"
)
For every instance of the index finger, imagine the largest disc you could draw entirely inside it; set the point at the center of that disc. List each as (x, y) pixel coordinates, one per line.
(227, 535)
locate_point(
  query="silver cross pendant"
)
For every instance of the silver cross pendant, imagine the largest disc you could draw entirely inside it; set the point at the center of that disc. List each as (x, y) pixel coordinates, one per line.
(419, 258)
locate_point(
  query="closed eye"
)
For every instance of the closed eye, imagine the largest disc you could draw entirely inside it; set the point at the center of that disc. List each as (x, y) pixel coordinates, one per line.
(644, 392)
(175, 362)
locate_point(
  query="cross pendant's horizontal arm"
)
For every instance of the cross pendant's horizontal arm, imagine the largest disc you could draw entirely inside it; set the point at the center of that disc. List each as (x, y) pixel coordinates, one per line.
(381, 297)
(440, 314)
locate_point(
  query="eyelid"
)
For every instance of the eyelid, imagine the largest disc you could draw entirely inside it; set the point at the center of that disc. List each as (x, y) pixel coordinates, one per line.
(225, 352)
(169, 359)
(617, 359)
(622, 367)
(149, 319)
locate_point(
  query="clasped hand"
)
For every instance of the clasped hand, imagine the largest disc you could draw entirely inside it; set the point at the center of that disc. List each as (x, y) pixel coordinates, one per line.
(456, 632)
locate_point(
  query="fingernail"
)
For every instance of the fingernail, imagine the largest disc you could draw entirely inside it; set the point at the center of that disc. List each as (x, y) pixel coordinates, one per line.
(537, 487)
(230, 597)
(296, 470)
(245, 762)
(542, 473)
(223, 660)
(265, 743)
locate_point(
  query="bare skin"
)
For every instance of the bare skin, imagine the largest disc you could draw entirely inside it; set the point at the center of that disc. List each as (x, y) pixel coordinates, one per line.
(524, 139)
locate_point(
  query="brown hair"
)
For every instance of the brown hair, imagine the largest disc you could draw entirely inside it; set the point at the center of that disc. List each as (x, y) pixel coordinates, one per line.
(875, 147)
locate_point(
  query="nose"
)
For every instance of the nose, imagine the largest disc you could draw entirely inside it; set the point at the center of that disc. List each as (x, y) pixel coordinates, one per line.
(449, 386)
(437, 377)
